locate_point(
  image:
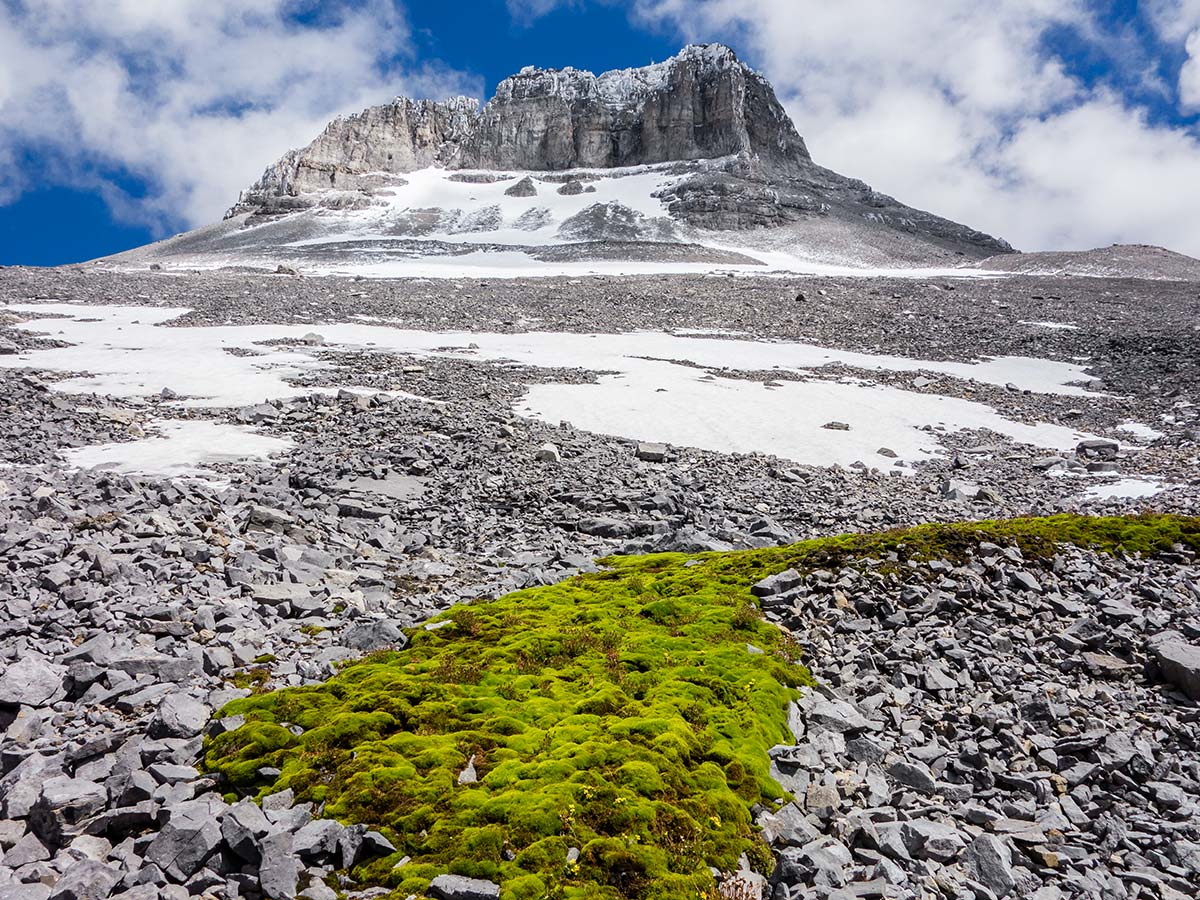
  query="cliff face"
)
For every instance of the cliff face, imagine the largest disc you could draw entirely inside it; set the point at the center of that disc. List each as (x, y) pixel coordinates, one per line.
(358, 153)
(703, 103)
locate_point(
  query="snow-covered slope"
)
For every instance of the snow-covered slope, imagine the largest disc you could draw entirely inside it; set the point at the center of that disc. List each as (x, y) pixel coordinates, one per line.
(1117, 261)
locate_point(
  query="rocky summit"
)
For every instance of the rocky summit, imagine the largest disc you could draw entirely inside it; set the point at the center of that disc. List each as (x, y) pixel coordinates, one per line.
(684, 163)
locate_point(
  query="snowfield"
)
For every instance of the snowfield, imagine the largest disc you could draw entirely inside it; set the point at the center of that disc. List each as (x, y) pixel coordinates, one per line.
(436, 223)
(690, 391)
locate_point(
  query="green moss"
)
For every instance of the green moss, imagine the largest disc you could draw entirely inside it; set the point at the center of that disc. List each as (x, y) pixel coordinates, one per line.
(619, 712)
(1037, 537)
(254, 679)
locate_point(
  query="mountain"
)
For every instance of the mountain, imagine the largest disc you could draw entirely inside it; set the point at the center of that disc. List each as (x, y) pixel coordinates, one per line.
(1117, 261)
(687, 163)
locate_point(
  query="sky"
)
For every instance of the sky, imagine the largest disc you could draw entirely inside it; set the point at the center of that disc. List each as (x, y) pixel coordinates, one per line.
(1055, 124)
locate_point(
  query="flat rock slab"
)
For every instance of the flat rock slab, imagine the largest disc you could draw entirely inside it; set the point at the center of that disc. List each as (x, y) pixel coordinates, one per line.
(457, 887)
(31, 681)
(1180, 665)
(395, 486)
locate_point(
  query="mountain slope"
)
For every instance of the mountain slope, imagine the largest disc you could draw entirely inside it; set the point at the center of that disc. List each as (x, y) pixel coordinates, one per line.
(1117, 261)
(691, 162)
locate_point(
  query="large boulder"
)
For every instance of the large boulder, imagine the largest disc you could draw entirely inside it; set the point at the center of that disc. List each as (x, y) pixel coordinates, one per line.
(32, 681)
(459, 887)
(1179, 662)
(64, 805)
(179, 716)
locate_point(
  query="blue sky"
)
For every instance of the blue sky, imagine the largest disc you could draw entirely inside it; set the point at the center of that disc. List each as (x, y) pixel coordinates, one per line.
(1053, 123)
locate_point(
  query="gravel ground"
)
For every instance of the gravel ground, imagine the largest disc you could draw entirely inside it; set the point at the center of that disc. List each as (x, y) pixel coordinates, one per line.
(133, 607)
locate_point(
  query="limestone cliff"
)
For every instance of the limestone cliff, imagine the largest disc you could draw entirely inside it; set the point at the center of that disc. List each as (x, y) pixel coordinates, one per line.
(360, 153)
(701, 104)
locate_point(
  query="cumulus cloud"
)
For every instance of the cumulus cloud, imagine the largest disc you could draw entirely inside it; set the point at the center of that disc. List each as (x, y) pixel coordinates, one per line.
(1189, 74)
(959, 107)
(1173, 19)
(191, 97)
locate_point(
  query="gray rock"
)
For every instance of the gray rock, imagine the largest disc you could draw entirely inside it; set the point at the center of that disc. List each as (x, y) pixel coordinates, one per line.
(31, 681)
(243, 827)
(190, 836)
(179, 716)
(318, 840)
(1101, 447)
(279, 871)
(824, 858)
(604, 527)
(86, 880)
(837, 715)
(27, 850)
(648, 452)
(318, 890)
(523, 188)
(788, 827)
(21, 788)
(17, 891)
(1179, 663)
(915, 775)
(927, 839)
(367, 637)
(267, 517)
(779, 583)
(468, 775)
(547, 453)
(989, 860)
(459, 887)
(64, 805)
(278, 801)
(1025, 581)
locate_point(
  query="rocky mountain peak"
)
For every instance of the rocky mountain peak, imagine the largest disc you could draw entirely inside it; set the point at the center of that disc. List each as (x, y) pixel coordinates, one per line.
(703, 103)
(725, 154)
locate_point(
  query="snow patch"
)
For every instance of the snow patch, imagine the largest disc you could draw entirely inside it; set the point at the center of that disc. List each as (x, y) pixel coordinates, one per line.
(1054, 326)
(1138, 430)
(1127, 489)
(181, 447)
(668, 387)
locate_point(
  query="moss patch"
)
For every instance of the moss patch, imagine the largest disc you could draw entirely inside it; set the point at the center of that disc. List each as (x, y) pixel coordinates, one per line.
(1037, 537)
(619, 712)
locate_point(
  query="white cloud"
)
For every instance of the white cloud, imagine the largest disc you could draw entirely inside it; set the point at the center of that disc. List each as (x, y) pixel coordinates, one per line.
(1189, 74)
(195, 97)
(957, 108)
(1173, 19)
